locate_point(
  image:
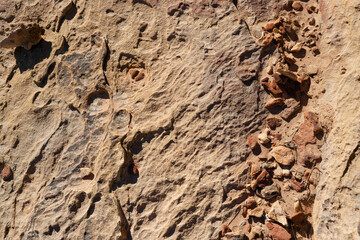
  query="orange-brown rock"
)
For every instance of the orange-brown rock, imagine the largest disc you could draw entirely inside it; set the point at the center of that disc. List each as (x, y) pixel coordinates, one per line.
(263, 179)
(225, 229)
(272, 86)
(269, 27)
(253, 143)
(274, 102)
(298, 218)
(268, 39)
(273, 122)
(6, 173)
(277, 232)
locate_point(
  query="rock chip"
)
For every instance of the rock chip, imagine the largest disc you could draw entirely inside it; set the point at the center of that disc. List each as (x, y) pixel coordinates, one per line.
(270, 192)
(274, 102)
(297, 186)
(283, 155)
(257, 212)
(261, 180)
(277, 232)
(251, 203)
(292, 107)
(264, 136)
(6, 173)
(297, 47)
(225, 229)
(298, 218)
(253, 143)
(269, 27)
(278, 214)
(273, 122)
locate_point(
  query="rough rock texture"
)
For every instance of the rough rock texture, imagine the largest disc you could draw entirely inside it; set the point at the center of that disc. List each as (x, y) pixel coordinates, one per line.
(129, 119)
(75, 122)
(337, 203)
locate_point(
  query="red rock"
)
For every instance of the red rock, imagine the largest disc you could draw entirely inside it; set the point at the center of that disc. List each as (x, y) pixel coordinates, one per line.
(298, 218)
(277, 232)
(272, 87)
(269, 27)
(297, 186)
(282, 30)
(274, 102)
(6, 173)
(273, 122)
(251, 203)
(263, 178)
(244, 211)
(292, 107)
(268, 39)
(308, 129)
(225, 229)
(135, 170)
(253, 143)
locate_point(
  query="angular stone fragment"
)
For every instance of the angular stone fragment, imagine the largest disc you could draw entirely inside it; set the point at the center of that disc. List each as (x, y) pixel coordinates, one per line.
(24, 36)
(257, 212)
(253, 143)
(283, 155)
(270, 192)
(6, 173)
(264, 136)
(263, 178)
(278, 214)
(225, 229)
(292, 107)
(297, 47)
(298, 218)
(272, 86)
(269, 26)
(274, 102)
(297, 186)
(277, 232)
(273, 122)
(251, 203)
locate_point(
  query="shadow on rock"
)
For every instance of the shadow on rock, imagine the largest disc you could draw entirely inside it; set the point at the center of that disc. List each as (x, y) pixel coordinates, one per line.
(27, 59)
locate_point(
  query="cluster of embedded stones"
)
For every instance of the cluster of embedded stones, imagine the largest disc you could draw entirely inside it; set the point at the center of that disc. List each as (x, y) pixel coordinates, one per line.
(279, 168)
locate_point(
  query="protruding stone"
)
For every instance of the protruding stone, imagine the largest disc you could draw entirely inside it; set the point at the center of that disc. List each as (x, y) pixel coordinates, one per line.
(298, 218)
(251, 203)
(277, 232)
(257, 212)
(264, 136)
(24, 36)
(292, 107)
(278, 214)
(286, 172)
(283, 155)
(297, 6)
(297, 186)
(274, 102)
(273, 122)
(297, 47)
(225, 229)
(263, 178)
(269, 26)
(6, 173)
(253, 143)
(270, 192)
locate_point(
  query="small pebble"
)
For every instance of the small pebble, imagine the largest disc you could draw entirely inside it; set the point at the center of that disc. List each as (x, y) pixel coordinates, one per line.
(6, 173)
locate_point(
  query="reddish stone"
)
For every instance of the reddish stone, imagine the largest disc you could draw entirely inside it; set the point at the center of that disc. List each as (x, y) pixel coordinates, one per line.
(135, 170)
(272, 87)
(225, 229)
(253, 143)
(251, 203)
(277, 232)
(273, 122)
(263, 178)
(298, 218)
(6, 173)
(269, 27)
(282, 30)
(277, 136)
(274, 102)
(268, 39)
(297, 186)
(244, 211)
(308, 129)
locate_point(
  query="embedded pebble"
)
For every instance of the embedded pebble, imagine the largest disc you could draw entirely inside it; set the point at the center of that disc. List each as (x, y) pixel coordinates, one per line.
(283, 155)
(297, 6)
(263, 136)
(6, 173)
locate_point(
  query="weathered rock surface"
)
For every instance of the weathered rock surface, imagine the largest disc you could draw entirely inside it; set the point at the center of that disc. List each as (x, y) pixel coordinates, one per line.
(129, 119)
(336, 211)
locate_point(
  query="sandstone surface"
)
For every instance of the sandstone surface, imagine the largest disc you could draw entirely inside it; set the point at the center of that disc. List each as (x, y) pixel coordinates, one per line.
(140, 119)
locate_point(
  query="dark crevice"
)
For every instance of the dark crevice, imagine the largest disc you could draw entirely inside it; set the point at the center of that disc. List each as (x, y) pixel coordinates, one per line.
(68, 13)
(351, 158)
(42, 80)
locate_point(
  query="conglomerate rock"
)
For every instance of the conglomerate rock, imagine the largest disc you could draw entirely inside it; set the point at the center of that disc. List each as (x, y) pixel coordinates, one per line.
(129, 119)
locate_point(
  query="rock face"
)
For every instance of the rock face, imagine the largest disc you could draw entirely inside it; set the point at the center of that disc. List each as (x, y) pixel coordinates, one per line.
(336, 210)
(129, 119)
(76, 118)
